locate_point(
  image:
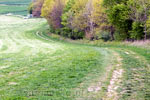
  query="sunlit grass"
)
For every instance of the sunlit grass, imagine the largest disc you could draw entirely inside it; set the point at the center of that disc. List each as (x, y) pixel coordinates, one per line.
(37, 65)
(31, 63)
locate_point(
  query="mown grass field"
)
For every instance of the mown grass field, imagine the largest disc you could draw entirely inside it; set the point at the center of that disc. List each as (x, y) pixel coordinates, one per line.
(17, 7)
(37, 66)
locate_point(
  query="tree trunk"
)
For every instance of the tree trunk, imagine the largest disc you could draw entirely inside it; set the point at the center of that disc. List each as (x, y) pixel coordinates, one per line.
(88, 35)
(112, 33)
(145, 31)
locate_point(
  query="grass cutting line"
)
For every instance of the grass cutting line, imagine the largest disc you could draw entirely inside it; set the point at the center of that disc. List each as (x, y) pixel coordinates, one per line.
(33, 62)
(34, 65)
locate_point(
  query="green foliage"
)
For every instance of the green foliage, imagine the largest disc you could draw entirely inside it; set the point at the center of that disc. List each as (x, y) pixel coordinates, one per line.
(119, 17)
(69, 33)
(148, 25)
(105, 35)
(78, 18)
(120, 36)
(92, 16)
(69, 5)
(137, 31)
(52, 10)
(68, 30)
(111, 3)
(129, 17)
(67, 13)
(139, 13)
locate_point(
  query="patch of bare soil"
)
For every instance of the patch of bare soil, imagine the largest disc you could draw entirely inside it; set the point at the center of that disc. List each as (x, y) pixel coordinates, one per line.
(12, 83)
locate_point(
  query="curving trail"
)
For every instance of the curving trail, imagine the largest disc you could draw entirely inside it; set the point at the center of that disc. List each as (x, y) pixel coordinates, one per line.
(33, 66)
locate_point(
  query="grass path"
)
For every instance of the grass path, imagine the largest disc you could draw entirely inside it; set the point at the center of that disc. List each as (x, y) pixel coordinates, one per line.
(34, 66)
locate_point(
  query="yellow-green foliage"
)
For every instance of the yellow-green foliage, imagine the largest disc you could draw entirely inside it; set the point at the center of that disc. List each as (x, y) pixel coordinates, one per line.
(98, 11)
(82, 15)
(148, 24)
(78, 6)
(93, 17)
(47, 7)
(90, 12)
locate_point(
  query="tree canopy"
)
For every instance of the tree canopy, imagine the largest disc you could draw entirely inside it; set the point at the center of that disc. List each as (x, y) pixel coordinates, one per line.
(120, 19)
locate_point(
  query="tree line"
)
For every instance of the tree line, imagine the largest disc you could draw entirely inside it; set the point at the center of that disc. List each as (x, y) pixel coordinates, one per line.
(96, 19)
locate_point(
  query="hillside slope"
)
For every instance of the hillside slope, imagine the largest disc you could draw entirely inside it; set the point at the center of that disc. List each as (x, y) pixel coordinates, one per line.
(34, 66)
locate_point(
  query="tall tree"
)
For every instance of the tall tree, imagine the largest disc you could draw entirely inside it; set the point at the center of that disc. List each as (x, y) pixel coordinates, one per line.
(37, 6)
(52, 11)
(140, 12)
(89, 17)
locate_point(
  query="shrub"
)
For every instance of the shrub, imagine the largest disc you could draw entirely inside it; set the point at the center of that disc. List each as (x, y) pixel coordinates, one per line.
(105, 36)
(119, 17)
(120, 36)
(137, 31)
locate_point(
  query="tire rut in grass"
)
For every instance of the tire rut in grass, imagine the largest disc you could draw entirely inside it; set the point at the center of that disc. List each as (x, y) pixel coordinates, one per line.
(94, 86)
(115, 80)
(135, 81)
(105, 87)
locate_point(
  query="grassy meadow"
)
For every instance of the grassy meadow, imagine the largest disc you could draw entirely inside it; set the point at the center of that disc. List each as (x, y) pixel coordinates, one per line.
(17, 7)
(35, 65)
(38, 65)
(48, 68)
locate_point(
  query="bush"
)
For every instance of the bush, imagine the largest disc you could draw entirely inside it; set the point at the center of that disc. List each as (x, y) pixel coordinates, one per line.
(105, 36)
(120, 37)
(67, 32)
(73, 34)
(137, 31)
(119, 17)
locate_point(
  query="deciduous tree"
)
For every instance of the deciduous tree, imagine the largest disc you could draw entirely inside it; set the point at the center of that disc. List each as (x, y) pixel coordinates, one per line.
(140, 12)
(52, 11)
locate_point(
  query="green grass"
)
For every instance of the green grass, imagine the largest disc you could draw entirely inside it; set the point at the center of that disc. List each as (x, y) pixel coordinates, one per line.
(17, 7)
(15, 1)
(135, 83)
(31, 63)
(36, 65)
(18, 10)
